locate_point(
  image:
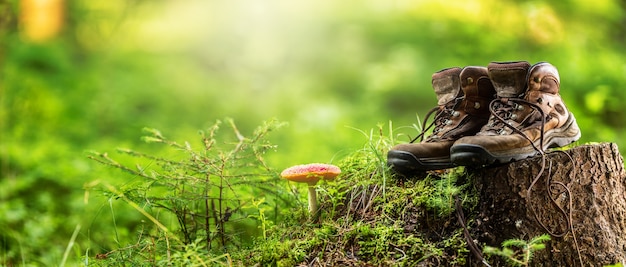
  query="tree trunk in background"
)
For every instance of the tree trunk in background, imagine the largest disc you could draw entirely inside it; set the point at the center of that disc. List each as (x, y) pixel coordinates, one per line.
(584, 186)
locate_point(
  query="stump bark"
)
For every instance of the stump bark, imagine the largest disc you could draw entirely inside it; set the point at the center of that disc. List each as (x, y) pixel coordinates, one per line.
(579, 198)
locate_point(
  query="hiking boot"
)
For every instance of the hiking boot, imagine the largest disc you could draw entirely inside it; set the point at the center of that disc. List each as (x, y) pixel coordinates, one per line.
(463, 99)
(528, 116)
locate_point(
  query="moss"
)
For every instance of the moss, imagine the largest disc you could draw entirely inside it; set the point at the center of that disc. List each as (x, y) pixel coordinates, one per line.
(368, 216)
(372, 218)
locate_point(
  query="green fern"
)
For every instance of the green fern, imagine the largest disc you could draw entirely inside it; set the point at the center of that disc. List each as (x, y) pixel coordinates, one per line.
(205, 186)
(519, 252)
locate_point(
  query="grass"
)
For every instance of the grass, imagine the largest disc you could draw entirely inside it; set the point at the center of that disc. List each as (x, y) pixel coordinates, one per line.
(371, 217)
(212, 189)
(219, 194)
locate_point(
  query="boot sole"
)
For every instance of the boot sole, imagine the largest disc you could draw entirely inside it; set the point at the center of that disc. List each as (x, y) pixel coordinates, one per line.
(407, 164)
(476, 155)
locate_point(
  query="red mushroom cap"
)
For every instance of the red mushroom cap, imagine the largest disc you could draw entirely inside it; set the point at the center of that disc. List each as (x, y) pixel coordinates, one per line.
(311, 173)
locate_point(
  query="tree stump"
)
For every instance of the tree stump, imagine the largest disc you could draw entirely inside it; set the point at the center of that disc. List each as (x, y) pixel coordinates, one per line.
(579, 198)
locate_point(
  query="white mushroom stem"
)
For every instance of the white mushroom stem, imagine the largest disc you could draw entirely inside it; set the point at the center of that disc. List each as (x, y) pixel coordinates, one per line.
(312, 200)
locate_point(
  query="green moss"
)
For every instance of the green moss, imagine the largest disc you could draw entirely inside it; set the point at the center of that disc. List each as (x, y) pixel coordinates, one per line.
(369, 216)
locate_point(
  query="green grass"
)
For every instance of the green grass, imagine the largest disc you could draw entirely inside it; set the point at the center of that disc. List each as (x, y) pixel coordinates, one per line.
(369, 216)
(217, 202)
(200, 199)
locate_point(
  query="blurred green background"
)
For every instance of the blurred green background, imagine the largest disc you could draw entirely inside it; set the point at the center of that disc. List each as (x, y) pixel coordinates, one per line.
(324, 67)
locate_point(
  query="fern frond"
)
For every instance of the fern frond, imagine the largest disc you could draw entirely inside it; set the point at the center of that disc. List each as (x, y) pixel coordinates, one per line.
(540, 239)
(514, 243)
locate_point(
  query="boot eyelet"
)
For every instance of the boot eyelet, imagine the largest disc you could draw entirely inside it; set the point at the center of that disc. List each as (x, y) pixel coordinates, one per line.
(513, 116)
(476, 105)
(448, 122)
(470, 80)
(539, 100)
(456, 114)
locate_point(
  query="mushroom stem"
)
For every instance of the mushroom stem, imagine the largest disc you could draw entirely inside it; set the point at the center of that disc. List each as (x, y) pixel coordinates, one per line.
(310, 174)
(312, 200)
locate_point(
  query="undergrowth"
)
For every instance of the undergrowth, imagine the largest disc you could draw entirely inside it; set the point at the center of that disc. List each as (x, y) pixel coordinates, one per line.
(371, 217)
(215, 191)
(223, 197)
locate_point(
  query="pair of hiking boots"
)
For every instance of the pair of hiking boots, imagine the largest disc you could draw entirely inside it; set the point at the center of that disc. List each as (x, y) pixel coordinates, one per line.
(507, 111)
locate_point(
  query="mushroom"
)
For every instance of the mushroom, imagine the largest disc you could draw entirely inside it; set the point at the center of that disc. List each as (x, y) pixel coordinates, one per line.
(311, 174)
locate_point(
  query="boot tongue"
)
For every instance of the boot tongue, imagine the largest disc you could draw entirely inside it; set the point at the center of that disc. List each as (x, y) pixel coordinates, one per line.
(509, 78)
(544, 77)
(447, 85)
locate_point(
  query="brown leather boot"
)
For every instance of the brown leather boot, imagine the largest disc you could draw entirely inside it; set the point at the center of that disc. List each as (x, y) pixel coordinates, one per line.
(463, 101)
(527, 117)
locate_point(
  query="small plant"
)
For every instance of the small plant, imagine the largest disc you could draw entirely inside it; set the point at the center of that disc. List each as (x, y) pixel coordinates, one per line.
(261, 217)
(446, 187)
(214, 190)
(519, 252)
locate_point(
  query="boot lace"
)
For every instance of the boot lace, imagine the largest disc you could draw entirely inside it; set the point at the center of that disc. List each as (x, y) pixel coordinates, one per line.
(502, 110)
(443, 116)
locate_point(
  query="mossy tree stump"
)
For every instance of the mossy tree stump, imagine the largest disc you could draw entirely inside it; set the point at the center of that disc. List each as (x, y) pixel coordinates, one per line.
(580, 198)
